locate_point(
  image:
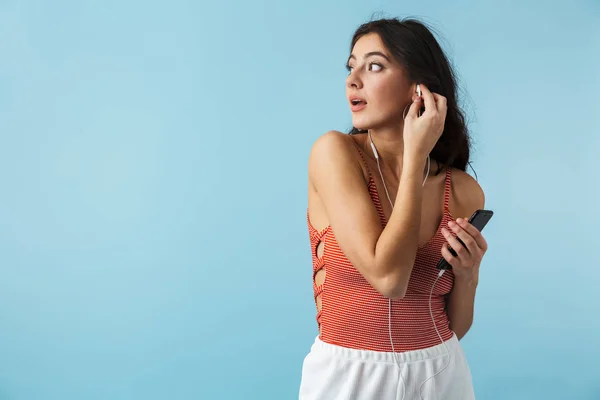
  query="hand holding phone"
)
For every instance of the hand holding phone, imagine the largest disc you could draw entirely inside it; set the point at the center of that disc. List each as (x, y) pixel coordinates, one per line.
(479, 220)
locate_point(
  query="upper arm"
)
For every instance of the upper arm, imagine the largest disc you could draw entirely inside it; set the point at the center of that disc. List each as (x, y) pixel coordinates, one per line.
(468, 196)
(337, 177)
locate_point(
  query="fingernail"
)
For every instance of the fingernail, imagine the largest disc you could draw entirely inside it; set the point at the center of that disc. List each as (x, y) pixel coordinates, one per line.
(459, 220)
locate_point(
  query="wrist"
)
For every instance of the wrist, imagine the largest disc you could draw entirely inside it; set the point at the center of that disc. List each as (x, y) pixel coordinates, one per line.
(414, 167)
(469, 279)
(414, 162)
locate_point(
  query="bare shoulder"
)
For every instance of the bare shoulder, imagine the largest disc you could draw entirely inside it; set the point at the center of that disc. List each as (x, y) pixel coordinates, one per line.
(331, 143)
(467, 194)
(332, 149)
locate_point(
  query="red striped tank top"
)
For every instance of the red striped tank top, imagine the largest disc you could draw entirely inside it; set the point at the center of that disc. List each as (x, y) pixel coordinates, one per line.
(353, 314)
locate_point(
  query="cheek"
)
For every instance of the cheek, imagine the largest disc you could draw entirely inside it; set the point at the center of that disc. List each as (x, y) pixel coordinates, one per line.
(388, 97)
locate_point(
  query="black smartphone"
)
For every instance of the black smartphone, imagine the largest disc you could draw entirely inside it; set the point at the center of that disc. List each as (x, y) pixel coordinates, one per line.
(479, 220)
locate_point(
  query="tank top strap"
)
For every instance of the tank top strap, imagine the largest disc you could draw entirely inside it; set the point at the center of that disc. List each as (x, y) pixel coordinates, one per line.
(447, 186)
(364, 160)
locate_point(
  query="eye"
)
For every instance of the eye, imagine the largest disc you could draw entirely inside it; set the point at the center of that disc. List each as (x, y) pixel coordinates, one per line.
(375, 67)
(372, 66)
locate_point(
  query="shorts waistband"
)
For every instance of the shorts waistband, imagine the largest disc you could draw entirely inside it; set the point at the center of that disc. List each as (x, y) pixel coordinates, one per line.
(383, 356)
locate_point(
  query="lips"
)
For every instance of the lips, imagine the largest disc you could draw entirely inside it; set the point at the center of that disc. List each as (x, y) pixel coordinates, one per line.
(357, 103)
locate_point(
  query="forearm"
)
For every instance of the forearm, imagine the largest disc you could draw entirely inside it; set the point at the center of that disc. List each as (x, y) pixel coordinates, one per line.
(461, 305)
(397, 245)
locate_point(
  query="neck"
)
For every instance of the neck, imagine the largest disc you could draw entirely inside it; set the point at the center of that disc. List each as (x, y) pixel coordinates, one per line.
(389, 143)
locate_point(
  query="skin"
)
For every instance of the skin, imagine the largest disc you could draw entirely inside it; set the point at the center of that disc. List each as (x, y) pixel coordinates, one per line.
(338, 196)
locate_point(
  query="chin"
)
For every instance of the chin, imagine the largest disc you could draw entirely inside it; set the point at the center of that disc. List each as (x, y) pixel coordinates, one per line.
(360, 124)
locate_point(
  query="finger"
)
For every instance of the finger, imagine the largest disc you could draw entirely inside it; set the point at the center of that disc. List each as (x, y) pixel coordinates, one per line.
(439, 99)
(466, 239)
(441, 103)
(460, 250)
(429, 100)
(474, 232)
(453, 261)
(414, 108)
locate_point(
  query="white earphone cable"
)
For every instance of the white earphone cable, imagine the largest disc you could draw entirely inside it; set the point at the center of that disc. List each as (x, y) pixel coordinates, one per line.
(390, 300)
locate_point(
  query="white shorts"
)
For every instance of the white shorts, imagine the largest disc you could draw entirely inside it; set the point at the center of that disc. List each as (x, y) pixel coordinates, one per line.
(331, 372)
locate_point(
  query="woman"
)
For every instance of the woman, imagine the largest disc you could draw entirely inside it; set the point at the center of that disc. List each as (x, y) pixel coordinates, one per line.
(381, 213)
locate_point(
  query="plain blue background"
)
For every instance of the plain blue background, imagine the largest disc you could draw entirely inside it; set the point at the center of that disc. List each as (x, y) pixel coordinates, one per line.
(153, 242)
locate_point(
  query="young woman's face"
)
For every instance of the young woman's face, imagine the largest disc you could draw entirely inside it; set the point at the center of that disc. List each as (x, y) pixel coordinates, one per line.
(376, 87)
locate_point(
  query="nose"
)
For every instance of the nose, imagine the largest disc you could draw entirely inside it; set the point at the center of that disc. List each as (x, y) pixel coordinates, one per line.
(353, 81)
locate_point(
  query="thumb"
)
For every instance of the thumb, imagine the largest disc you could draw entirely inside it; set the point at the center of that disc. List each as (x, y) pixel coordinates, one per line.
(414, 108)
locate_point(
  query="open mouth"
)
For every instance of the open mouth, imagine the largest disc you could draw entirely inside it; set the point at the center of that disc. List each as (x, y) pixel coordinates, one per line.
(357, 104)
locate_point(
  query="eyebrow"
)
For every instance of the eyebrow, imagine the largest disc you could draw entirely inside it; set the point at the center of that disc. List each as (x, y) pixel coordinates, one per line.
(372, 53)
